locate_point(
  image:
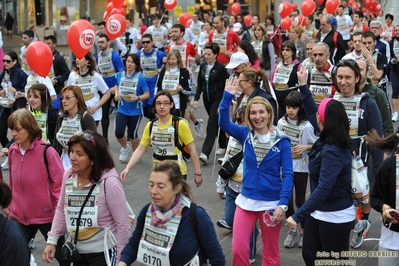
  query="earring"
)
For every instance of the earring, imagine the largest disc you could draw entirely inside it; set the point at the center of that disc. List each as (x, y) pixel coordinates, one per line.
(92, 163)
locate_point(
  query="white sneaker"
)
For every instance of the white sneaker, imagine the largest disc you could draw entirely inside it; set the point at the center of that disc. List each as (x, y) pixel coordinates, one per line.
(220, 151)
(4, 165)
(395, 116)
(203, 158)
(198, 127)
(124, 156)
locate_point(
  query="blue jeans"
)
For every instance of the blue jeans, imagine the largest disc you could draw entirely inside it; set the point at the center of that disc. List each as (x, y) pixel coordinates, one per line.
(229, 211)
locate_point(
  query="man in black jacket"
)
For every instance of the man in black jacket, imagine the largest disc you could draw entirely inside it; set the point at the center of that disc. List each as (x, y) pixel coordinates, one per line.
(333, 39)
(59, 72)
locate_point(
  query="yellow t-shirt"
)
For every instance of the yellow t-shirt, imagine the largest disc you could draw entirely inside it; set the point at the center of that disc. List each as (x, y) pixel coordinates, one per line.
(185, 136)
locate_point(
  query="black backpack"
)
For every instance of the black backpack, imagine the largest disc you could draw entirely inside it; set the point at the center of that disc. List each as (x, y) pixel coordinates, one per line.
(182, 147)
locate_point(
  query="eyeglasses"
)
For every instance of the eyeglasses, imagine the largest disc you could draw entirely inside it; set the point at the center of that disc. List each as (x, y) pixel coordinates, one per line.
(145, 42)
(7, 61)
(66, 97)
(240, 120)
(162, 103)
(88, 137)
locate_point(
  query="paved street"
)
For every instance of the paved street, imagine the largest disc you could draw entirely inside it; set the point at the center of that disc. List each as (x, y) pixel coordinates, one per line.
(136, 189)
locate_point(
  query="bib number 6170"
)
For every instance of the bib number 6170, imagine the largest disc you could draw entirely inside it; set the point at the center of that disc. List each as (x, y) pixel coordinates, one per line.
(151, 260)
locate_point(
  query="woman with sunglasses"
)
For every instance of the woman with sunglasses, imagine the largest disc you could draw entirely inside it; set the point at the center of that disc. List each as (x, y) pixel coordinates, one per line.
(264, 48)
(130, 94)
(160, 135)
(104, 226)
(12, 82)
(267, 176)
(233, 185)
(35, 186)
(91, 83)
(74, 118)
(175, 79)
(170, 230)
(283, 76)
(364, 116)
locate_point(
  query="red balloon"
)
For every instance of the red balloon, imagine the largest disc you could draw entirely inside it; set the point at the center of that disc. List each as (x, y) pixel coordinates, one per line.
(286, 23)
(367, 3)
(118, 10)
(332, 6)
(235, 8)
(284, 9)
(350, 3)
(294, 6)
(248, 20)
(110, 6)
(378, 7)
(118, 3)
(300, 21)
(308, 7)
(39, 58)
(184, 17)
(115, 26)
(320, 2)
(81, 37)
(364, 10)
(355, 8)
(170, 4)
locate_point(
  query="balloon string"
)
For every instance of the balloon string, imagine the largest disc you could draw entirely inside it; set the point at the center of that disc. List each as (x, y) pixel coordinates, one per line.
(163, 15)
(275, 32)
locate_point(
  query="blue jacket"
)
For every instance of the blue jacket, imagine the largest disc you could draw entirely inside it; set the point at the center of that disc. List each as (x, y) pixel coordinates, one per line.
(369, 119)
(186, 244)
(330, 180)
(272, 179)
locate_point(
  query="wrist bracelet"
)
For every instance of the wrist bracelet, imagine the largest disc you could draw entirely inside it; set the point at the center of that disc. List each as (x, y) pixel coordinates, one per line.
(199, 174)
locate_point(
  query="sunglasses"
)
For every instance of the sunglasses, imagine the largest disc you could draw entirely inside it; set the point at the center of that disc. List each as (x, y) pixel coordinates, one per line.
(145, 42)
(7, 61)
(66, 97)
(87, 136)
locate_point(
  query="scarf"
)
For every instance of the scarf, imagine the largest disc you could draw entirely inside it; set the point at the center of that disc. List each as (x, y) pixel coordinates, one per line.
(158, 217)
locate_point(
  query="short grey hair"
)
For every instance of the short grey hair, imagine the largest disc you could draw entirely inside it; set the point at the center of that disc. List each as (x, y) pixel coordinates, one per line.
(375, 22)
(325, 45)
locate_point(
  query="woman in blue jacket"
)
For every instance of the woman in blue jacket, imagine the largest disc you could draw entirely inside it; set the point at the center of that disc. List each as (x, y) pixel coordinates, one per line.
(329, 211)
(267, 176)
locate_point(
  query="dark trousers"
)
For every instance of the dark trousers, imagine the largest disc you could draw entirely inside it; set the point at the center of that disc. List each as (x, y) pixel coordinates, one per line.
(97, 259)
(322, 236)
(105, 118)
(5, 113)
(300, 184)
(29, 232)
(212, 127)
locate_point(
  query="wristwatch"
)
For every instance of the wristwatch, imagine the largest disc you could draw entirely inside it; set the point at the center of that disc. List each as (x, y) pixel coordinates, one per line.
(283, 207)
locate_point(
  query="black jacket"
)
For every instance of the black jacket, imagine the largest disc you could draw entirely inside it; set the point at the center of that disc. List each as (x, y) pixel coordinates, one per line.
(18, 80)
(14, 250)
(61, 71)
(213, 89)
(184, 81)
(336, 45)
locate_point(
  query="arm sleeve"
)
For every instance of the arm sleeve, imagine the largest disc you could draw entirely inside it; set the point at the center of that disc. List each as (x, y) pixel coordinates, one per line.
(200, 82)
(62, 69)
(129, 253)
(160, 79)
(310, 106)
(287, 172)
(145, 139)
(56, 172)
(379, 195)
(208, 239)
(331, 166)
(116, 203)
(87, 122)
(184, 82)
(271, 54)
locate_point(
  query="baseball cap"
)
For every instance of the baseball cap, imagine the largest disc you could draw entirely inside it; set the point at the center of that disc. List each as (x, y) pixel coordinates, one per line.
(237, 59)
(237, 27)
